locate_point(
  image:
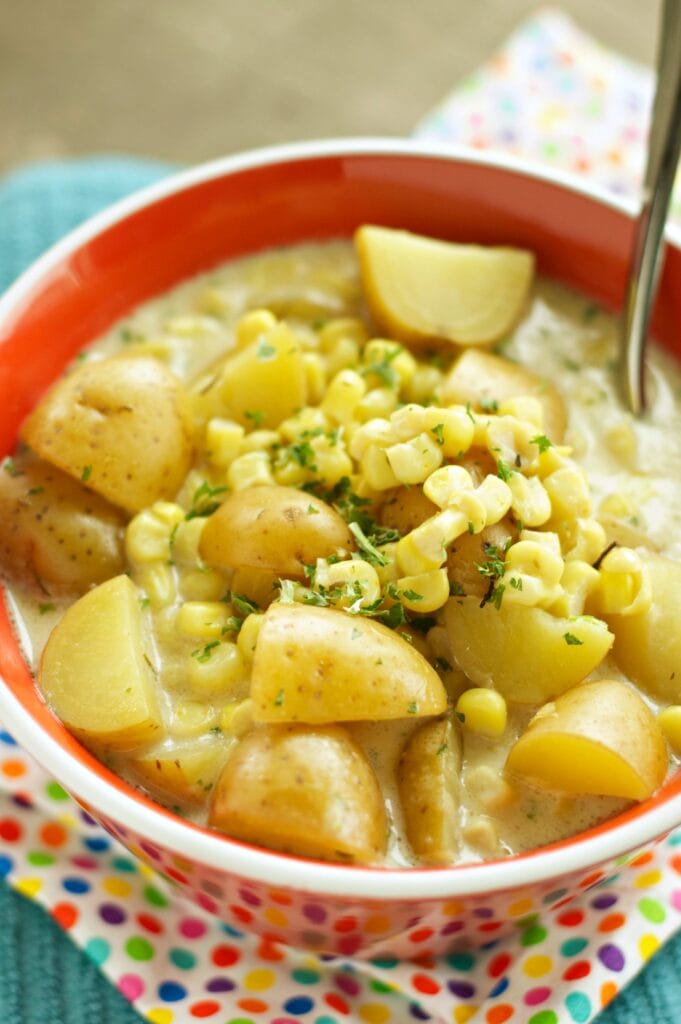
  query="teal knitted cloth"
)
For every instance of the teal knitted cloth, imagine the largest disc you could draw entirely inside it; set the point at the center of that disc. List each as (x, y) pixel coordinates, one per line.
(44, 978)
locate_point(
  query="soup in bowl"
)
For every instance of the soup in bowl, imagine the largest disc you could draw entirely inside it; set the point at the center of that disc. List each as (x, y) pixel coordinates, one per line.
(341, 563)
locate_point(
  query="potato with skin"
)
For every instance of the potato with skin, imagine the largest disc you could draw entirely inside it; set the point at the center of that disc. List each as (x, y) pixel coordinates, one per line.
(186, 773)
(421, 288)
(648, 646)
(306, 791)
(95, 672)
(320, 665)
(406, 508)
(429, 788)
(121, 426)
(598, 738)
(479, 377)
(525, 653)
(54, 530)
(279, 529)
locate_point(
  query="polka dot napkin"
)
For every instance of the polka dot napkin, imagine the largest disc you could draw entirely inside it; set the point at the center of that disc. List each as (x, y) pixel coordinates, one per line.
(554, 95)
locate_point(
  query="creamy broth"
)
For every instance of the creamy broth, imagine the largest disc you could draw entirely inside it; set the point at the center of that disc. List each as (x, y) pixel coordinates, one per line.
(633, 468)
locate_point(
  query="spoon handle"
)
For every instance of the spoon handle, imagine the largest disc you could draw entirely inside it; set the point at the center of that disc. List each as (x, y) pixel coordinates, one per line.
(663, 158)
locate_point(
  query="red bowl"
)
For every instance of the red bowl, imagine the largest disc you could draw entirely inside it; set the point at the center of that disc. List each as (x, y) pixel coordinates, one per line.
(186, 224)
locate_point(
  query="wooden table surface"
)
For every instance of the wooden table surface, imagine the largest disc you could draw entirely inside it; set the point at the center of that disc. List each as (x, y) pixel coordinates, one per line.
(187, 80)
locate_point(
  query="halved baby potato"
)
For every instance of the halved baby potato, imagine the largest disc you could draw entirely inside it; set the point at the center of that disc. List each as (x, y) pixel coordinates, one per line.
(321, 665)
(428, 782)
(280, 529)
(478, 378)
(306, 791)
(527, 654)
(119, 425)
(95, 672)
(598, 738)
(186, 772)
(421, 288)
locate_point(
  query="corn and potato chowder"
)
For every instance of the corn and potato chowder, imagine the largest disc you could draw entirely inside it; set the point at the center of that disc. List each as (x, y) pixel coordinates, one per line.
(353, 553)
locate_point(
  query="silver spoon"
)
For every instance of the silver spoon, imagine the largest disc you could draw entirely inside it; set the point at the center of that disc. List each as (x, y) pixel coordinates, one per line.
(647, 249)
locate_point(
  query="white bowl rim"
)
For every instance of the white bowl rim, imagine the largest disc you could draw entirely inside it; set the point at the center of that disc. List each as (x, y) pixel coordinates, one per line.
(219, 852)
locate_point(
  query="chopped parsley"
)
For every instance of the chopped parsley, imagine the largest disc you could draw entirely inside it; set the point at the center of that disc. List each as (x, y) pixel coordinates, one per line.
(204, 500)
(455, 589)
(256, 416)
(412, 595)
(516, 583)
(370, 553)
(470, 415)
(384, 369)
(489, 404)
(412, 708)
(438, 432)
(264, 351)
(571, 640)
(312, 511)
(86, 474)
(504, 471)
(542, 442)
(34, 490)
(442, 665)
(279, 699)
(303, 453)
(48, 606)
(203, 654)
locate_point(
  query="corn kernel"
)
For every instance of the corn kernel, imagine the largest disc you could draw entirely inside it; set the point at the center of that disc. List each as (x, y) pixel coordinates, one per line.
(376, 469)
(491, 789)
(158, 583)
(202, 584)
(413, 461)
(376, 402)
(184, 541)
(192, 718)
(216, 669)
(669, 722)
(250, 470)
(147, 536)
(248, 636)
(331, 459)
(204, 620)
(425, 547)
(530, 502)
(315, 376)
(619, 506)
(495, 496)
(237, 717)
(530, 558)
(483, 710)
(578, 582)
(342, 356)
(378, 432)
(342, 395)
(351, 584)
(451, 428)
(424, 384)
(621, 440)
(568, 491)
(444, 485)
(393, 360)
(481, 833)
(259, 441)
(625, 587)
(342, 329)
(223, 440)
(252, 324)
(582, 539)
(425, 592)
(306, 421)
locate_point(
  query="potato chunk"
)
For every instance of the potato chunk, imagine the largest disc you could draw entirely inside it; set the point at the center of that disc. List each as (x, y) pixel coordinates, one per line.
(320, 665)
(95, 673)
(421, 288)
(120, 425)
(525, 653)
(480, 377)
(55, 530)
(268, 375)
(428, 781)
(279, 529)
(597, 738)
(186, 773)
(648, 646)
(305, 791)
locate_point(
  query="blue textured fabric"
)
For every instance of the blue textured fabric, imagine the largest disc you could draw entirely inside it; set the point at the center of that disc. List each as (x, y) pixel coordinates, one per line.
(44, 978)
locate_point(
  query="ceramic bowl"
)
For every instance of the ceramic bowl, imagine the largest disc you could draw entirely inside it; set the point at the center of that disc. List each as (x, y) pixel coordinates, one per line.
(186, 224)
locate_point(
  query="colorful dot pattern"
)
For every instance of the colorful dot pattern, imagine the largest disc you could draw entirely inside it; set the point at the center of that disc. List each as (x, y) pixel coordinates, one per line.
(552, 94)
